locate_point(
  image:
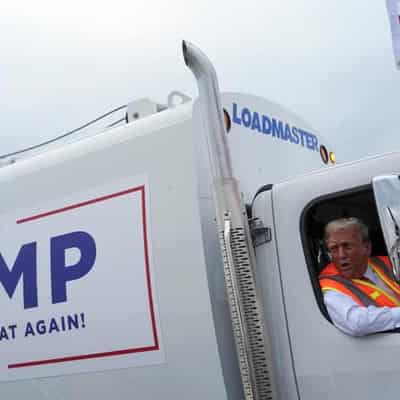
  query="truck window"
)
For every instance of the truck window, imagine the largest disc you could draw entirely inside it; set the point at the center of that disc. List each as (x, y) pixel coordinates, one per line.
(355, 203)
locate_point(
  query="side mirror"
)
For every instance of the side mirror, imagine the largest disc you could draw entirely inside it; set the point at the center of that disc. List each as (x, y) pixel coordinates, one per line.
(387, 197)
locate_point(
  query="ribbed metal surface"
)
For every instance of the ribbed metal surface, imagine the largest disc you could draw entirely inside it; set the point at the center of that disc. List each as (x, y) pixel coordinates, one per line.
(246, 318)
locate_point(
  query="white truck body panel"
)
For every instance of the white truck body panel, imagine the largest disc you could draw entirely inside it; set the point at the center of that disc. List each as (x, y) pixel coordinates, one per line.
(166, 153)
(261, 154)
(176, 253)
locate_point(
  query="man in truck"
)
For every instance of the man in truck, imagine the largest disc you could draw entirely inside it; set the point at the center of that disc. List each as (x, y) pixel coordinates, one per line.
(360, 293)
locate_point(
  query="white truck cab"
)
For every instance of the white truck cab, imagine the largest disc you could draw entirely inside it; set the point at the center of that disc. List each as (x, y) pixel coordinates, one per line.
(325, 361)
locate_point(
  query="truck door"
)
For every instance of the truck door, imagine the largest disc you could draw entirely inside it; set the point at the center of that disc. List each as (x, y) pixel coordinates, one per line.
(327, 362)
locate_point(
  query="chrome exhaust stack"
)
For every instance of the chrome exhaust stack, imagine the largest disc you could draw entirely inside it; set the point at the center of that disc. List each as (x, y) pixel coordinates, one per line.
(251, 342)
(211, 109)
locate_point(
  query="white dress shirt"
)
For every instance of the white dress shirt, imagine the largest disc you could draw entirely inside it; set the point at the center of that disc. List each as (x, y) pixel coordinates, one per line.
(356, 320)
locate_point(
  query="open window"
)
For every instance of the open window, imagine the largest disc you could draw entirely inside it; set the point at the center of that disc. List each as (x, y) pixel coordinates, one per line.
(358, 203)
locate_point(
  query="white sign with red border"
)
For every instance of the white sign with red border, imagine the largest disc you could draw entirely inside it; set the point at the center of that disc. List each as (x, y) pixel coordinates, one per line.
(77, 285)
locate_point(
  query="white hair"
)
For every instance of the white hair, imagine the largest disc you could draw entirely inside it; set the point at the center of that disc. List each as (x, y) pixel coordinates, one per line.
(344, 223)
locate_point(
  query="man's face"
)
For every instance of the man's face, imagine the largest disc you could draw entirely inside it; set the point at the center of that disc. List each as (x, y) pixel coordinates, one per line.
(348, 252)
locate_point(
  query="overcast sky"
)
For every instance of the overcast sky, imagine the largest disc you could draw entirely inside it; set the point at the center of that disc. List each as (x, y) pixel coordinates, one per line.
(64, 63)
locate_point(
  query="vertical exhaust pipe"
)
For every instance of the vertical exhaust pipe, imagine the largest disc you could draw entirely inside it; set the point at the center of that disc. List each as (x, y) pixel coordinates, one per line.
(211, 109)
(247, 318)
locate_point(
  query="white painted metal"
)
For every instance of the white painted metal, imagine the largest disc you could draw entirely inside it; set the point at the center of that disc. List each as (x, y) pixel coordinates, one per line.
(258, 158)
(270, 281)
(192, 364)
(142, 108)
(327, 363)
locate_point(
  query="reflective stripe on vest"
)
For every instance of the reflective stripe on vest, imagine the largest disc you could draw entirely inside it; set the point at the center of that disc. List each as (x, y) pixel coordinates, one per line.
(363, 299)
(385, 273)
(376, 261)
(361, 291)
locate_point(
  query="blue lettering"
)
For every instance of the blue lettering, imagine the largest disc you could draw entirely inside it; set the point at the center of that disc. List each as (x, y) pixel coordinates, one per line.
(73, 322)
(3, 333)
(256, 122)
(277, 128)
(301, 133)
(12, 328)
(53, 326)
(7, 332)
(246, 117)
(266, 125)
(60, 272)
(315, 142)
(41, 327)
(29, 330)
(235, 118)
(310, 141)
(287, 133)
(295, 136)
(24, 265)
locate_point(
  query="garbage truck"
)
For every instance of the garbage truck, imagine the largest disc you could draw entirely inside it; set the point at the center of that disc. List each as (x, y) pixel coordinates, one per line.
(177, 256)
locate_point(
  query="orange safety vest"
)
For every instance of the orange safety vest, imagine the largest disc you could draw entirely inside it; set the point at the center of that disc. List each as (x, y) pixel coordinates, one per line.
(363, 292)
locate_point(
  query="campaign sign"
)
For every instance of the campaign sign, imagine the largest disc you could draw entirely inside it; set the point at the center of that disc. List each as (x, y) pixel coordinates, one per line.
(77, 289)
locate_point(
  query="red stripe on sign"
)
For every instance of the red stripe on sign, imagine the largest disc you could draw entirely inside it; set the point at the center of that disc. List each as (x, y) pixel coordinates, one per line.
(153, 347)
(146, 255)
(82, 357)
(73, 206)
